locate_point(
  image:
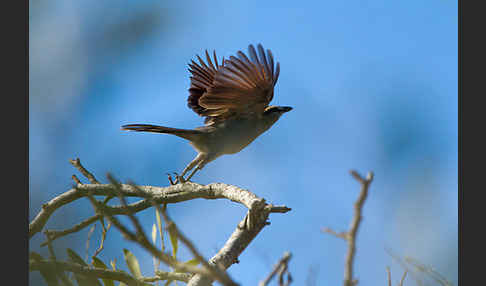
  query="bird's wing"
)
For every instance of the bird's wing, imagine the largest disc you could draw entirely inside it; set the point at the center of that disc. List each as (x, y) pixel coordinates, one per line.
(202, 77)
(241, 86)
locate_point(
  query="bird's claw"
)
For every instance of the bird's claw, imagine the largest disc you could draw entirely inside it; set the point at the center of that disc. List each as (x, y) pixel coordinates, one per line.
(170, 179)
(178, 179)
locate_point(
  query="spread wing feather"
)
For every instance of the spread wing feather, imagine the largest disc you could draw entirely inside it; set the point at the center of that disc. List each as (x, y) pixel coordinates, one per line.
(240, 86)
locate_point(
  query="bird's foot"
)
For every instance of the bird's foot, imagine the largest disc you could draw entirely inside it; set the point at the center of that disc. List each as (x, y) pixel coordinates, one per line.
(170, 179)
(178, 179)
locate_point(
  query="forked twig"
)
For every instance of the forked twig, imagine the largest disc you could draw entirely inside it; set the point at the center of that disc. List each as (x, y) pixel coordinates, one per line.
(280, 268)
(350, 235)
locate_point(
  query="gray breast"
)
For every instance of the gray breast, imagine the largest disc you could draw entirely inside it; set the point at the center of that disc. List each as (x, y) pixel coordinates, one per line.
(235, 135)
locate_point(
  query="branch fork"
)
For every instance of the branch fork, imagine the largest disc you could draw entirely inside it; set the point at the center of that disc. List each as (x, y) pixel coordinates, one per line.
(350, 235)
(151, 196)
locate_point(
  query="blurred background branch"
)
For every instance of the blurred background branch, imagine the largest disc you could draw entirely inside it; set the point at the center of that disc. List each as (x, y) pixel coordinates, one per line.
(350, 235)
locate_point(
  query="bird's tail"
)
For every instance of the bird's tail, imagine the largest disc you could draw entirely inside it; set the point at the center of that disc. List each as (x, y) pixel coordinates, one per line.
(183, 133)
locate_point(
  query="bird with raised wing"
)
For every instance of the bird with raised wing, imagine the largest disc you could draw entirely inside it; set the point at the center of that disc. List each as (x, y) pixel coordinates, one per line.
(234, 98)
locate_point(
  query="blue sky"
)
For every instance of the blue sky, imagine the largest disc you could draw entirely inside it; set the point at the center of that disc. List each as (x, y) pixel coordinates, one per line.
(373, 85)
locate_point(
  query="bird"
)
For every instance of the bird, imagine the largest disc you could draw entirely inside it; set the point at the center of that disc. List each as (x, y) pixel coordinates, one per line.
(233, 96)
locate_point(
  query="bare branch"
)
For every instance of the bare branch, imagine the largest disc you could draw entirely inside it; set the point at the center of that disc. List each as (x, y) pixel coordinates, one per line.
(403, 278)
(90, 233)
(103, 238)
(55, 234)
(388, 275)
(358, 206)
(160, 195)
(245, 232)
(49, 245)
(86, 270)
(404, 266)
(342, 235)
(140, 238)
(281, 280)
(279, 209)
(427, 271)
(77, 164)
(59, 272)
(162, 275)
(418, 271)
(75, 179)
(217, 273)
(280, 267)
(350, 235)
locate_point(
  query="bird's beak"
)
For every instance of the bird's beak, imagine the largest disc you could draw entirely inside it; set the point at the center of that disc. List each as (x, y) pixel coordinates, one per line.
(286, 108)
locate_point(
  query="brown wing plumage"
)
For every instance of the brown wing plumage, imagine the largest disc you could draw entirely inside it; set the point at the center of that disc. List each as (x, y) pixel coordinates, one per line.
(241, 86)
(201, 80)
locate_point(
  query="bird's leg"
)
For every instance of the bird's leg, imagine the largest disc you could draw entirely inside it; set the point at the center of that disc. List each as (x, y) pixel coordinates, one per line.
(170, 179)
(193, 163)
(192, 174)
(180, 178)
(201, 165)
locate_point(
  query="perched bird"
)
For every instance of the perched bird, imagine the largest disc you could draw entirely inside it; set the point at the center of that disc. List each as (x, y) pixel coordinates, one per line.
(233, 97)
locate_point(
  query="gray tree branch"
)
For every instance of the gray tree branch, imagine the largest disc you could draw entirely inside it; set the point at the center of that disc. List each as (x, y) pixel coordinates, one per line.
(278, 268)
(246, 231)
(86, 270)
(350, 235)
(160, 195)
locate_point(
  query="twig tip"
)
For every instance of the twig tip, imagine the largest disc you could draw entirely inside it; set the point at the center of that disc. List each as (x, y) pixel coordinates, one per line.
(370, 176)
